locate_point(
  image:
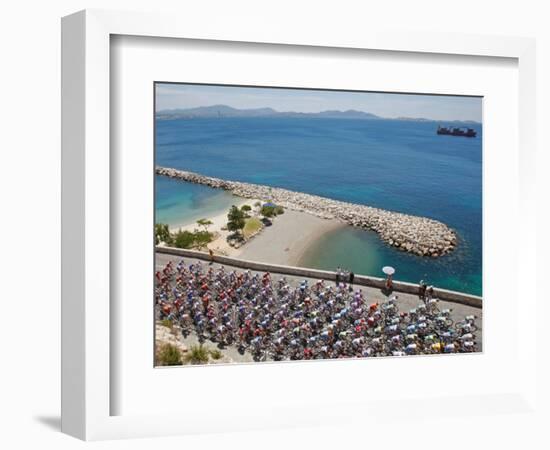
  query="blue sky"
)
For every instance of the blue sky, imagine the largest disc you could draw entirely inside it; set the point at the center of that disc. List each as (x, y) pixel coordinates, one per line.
(172, 96)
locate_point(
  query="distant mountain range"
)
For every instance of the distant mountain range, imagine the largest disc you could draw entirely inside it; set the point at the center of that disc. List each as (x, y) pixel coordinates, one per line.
(222, 111)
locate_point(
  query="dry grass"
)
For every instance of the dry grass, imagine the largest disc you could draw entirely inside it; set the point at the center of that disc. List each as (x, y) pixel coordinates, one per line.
(168, 355)
(216, 354)
(197, 354)
(252, 226)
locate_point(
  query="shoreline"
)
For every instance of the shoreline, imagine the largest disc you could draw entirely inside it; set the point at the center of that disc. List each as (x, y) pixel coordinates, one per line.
(219, 244)
(218, 220)
(414, 234)
(284, 242)
(287, 239)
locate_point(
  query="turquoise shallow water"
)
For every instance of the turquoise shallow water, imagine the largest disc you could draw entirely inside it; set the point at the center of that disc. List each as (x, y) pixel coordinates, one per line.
(398, 165)
(363, 252)
(179, 203)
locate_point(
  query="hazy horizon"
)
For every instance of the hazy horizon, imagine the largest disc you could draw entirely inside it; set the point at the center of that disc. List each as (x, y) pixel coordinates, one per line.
(386, 105)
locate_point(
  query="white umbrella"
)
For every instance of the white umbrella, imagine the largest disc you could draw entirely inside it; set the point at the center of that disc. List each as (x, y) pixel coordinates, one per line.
(388, 270)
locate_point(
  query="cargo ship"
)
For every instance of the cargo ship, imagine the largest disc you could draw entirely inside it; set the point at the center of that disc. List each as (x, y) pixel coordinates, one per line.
(457, 131)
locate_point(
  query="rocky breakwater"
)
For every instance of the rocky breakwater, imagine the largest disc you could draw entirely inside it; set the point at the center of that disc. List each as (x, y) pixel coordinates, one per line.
(418, 235)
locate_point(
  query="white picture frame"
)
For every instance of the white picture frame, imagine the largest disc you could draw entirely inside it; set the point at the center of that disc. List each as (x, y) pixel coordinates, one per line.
(86, 220)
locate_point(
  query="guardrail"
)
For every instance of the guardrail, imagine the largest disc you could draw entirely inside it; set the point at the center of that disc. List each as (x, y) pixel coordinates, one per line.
(398, 286)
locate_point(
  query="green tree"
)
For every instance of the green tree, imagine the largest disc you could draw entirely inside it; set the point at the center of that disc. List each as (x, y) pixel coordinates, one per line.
(235, 219)
(246, 209)
(184, 239)
(268, 211)
(162, 234)
(205, 223)
(202, 238)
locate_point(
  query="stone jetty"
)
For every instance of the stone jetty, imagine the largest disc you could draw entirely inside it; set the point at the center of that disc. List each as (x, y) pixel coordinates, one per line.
(418, 235)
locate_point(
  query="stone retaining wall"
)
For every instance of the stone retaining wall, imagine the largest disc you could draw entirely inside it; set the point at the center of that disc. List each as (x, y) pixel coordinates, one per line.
(398, 286)
(413, 234)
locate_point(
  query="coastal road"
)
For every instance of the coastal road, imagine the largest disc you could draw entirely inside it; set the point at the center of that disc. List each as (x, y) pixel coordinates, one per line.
(405, 301)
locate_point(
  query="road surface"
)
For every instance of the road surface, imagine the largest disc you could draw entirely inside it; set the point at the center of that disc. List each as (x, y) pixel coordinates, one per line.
(405, 302)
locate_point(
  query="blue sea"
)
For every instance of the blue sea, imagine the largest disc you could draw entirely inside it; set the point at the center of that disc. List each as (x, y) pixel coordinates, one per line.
(392, 164)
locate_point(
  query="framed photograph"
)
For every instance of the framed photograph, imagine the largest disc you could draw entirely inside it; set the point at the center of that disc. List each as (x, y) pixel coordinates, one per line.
(264, 268)
(282, 216)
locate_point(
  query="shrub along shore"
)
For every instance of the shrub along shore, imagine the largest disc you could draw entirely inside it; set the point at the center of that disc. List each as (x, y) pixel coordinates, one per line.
(413, 234)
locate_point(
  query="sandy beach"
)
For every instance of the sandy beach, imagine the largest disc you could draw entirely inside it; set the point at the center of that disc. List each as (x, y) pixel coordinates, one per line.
(419, 235)
(284, 242)
(218, 221)
(219, 245)
(287, 239)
